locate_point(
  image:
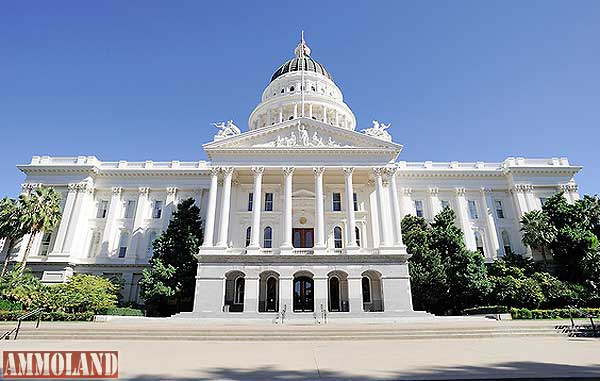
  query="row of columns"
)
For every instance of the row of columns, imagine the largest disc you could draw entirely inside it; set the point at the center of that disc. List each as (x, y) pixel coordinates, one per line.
(389, 238)
(279, 116)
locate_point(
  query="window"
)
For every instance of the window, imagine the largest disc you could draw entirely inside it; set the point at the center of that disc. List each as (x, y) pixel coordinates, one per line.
(355, 201)
(445, 204)
(150, 248)
(45, 243)
(337, 202)
(130, 209)
(157, 211)
(419, 208)
(102, 209)
(123, 240)
(499, 209)
(268, 202)
(366, 290)
(239, 290)
(337, 237)
(506, 243)
(473, 210)
(357, 233)
(250, 201)
(268, 238)
(292, 89)
(479, 242)
(248, 234)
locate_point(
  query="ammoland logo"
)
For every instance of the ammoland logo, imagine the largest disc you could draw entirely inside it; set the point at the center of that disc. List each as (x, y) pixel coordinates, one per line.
(60, 364)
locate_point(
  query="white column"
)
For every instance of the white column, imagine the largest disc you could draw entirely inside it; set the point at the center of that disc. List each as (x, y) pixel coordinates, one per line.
(295, 111)
(78, 227)
(169, 206)
(287, 218)
(319, 208)
(350, 208)
(324, 114)
(487, 204)
(406, 205)
(396, 215)
(434, 202)
(114, 209)
(65, 219)
(256, 206)
(337, 118)
(381, 207)
(518, 193)
(533, 202)
(355, 294)
(280, 114)
(225, 204)
(209, 226)
(139, 222)
(251, 293)
(310, 110)
(463, 218)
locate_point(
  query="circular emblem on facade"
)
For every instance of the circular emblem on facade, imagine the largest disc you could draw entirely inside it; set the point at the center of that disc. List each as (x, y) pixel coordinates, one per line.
(302, 220)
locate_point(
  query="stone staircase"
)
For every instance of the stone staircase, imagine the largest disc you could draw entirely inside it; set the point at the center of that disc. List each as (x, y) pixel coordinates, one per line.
(330, 332)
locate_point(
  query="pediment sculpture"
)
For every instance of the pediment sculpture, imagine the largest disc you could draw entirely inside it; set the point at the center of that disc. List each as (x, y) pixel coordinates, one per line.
(301, 138)
(379, 131)
(226, 130)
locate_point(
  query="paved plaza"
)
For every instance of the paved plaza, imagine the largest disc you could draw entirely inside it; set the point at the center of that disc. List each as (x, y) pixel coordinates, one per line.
(547, 355)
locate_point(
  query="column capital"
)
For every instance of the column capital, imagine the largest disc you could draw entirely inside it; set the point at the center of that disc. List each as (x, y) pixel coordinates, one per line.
(288, 170)
(318, 171)
(28, 187)
(460, 191)
(484, 191)
(378, 171)
(144, 191)
(171, 191)
(407, 191)
(391, 171)
(257, 171)
(214, 171)
(85, 187)
(348, 171)
(226, 171)
(434, 191)
(71, 188)
(116, 191)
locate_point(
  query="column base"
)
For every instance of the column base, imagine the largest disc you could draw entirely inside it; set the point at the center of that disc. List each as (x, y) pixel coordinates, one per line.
(393, 250)
(286, 249)
(212, 250)
(320, 250)
(253, 250)
(352, 250)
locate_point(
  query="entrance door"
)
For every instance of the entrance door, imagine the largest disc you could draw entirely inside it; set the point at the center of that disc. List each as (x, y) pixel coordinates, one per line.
(272, 294)
(303, 238)
(303, 295)
(334, 294)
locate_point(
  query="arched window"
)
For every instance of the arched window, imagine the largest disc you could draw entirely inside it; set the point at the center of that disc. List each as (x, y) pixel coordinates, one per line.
(479, 242)
(239, 291)
(506, 242)
(123, 241)
(268, 238)
(357, 233)
(248, 234)
(337, 237)
(366, 289)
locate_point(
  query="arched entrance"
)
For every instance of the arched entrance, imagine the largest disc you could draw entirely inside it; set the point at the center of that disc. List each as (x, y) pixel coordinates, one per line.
(338, 292)
(372, 291)
(235, 284)
(268, 298)
(304, 299)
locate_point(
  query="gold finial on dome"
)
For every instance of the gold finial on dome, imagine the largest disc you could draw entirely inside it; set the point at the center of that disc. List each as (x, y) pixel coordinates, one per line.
(302, 50)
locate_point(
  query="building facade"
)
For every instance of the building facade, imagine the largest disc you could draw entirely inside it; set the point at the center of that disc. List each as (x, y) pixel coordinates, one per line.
(301, 212)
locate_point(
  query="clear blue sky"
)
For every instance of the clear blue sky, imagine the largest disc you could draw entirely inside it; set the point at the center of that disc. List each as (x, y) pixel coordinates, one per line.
(458, 80)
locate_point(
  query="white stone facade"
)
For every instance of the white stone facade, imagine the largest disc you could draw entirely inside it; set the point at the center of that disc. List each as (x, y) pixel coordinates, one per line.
(301, 212)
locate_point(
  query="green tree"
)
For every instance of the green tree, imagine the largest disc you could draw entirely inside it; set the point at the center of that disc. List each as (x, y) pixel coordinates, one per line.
(39, 211)
(172, 272)
(11, 228)
(538, 231)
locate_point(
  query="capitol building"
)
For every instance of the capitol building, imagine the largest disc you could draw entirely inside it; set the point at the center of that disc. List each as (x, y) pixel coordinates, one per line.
(301, 209)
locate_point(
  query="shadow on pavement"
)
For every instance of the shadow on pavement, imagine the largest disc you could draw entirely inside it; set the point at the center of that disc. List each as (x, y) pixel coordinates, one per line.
(521, 370)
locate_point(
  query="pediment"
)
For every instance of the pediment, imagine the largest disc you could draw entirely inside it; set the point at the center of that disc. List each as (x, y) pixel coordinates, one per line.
(302, 139)
(302, 194)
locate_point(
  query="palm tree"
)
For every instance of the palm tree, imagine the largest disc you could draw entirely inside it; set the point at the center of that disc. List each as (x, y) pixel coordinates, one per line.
(10, 227)
(39, 212)
(538, 231)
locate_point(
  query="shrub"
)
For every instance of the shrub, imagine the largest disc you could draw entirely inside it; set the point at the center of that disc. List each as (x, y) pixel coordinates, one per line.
(7, 305)
(485, 310)
(48, 316)
(123, 311)
(557, 313)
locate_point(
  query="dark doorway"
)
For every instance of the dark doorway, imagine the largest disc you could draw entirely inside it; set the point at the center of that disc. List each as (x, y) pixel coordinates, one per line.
(303, 294)
(272, 294)
(303, 238)
(334, 294)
